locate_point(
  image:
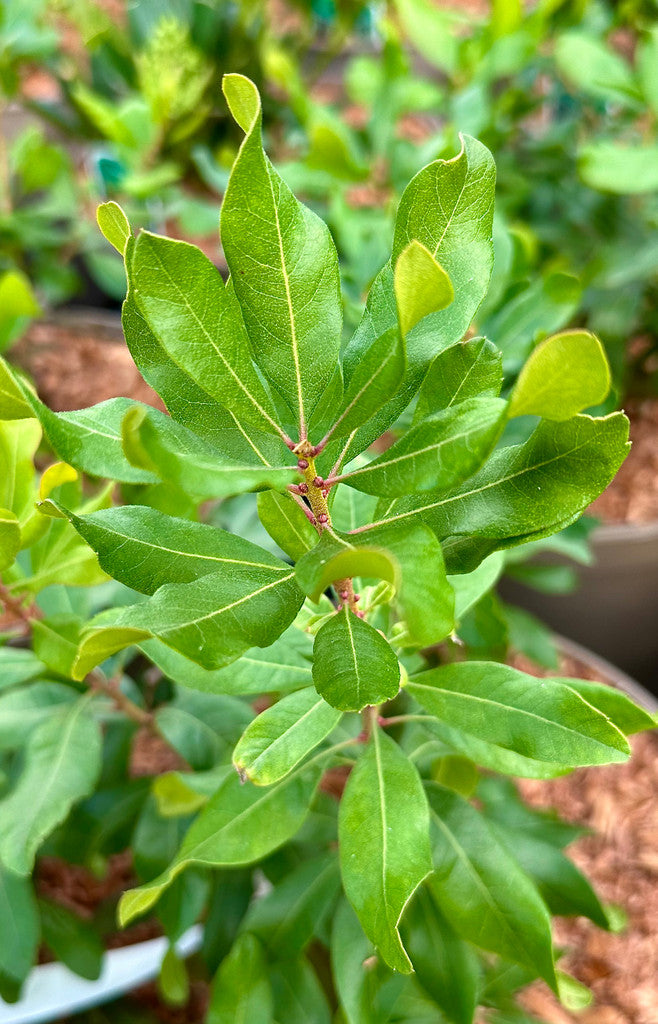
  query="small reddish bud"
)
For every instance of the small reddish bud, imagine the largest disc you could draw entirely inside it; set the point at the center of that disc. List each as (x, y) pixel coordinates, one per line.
(360, 615)
(325, 492)
(357, 597)
(303, 488)
(344, 594)
(323, 518)
(318, 481)
(302, 464)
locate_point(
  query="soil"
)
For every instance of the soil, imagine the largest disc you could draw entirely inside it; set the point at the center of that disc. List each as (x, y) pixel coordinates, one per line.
(76, 362)
(632, 497)
(620, 857)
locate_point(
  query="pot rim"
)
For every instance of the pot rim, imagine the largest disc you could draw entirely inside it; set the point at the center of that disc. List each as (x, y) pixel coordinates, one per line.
(611, 533)
(609, 672)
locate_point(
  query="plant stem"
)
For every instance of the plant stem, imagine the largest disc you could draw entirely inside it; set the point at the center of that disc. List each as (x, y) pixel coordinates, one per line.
(112, 689)
(15, 606)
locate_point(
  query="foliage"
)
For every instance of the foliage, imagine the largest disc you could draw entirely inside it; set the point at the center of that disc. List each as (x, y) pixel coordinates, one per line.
(439, 895)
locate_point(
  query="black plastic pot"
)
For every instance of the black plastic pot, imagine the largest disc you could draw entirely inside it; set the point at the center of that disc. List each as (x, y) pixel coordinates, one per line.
(614, 611)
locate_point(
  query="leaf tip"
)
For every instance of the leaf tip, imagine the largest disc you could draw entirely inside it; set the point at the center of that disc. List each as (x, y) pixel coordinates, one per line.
(243, 100)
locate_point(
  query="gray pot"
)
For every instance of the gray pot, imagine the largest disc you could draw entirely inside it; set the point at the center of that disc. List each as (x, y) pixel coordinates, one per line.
(614, 611)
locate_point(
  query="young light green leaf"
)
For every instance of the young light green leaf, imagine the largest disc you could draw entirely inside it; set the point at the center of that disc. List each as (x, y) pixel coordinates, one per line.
(565, 374)
(286, 523)
(421, 285)
(12, 401)
(241, 824)
(10, 538)
(523, 492)
(62, 764)
(156, 443)
(384, 846)
(440, 452)
(540, 719)
(481, 889)
(353, 664)
(283, 266)
(241, 990)
(19, 440)
(212, 620)
(402, 557)
(145, 548)
(198, 323)
(469, 369)
(19, 936)
(282, 735)
(114, 224)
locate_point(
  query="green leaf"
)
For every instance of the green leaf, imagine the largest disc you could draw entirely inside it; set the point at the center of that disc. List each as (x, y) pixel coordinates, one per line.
(283, 266)
(595, 68)
(90, 439)
(448, 208)
(202, 727)
(155, 443)
(19, 440)
(12, 403)
(353, 664)
(287, 917)
(523, 492)
(481, 889)
(647, 67)
(540, 719)
(282, 735)
(446, 967)
(10, 538)
(198, 323)
(438, 453)
(145, 548)
(356, 982)
(114, 225)
(73, 941)
(564, 375)
(564, 889)
(620, 169)
(212, 620)
(241, 824)
(469, 369)
(471, 586)
(18, 666)
(19, 936)
(384, 846)
(283, 666)
(17, 297)
(62, 764)
(55, 640)
(410, 559)
(22, 710)
(613, 703)
(299, 997)
(286, 523)
(173, 981)
(370, 383)
(241, 991)
(421, 285)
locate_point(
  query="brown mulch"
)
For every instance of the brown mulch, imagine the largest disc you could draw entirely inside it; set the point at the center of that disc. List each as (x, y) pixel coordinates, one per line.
(79, 363)
(619, 803)
(632, 497)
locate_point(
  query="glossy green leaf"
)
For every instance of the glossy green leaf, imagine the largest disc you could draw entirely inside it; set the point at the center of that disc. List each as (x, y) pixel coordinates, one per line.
(73, 941)
(19, 935)
(470, 587)
(384, 845)
(421, 285)
(353, 976)
(241, 990)
(19, 440)
(446, 966)
(283, 666)
(286, 918)
(145, 548)
(114, 224)
(283, 266)
(197, 321)
(524, 491)
(286, 523)
(481, 889)
(438, 453)
(282, 735)
(299, 997)
(469, 369)
(616, 705)
(62, 764)
(353, 664)
(565, 374)
(370, 383)
(212, 620)
(156, 443)
(240, 824)
(401, 557)
(12, 401)
(540, 719)
(10, 538)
